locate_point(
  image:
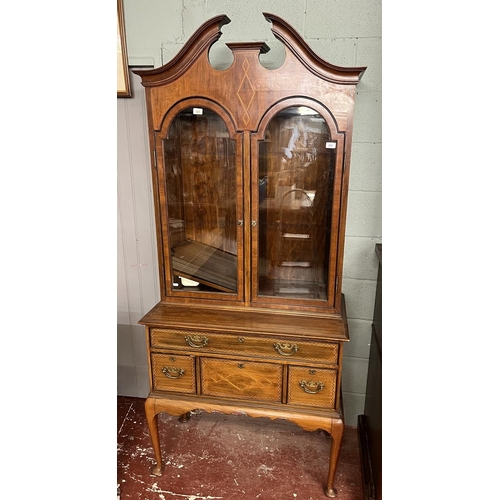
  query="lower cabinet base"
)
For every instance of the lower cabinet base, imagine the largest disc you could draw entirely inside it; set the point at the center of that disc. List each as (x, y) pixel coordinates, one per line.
(181, 406)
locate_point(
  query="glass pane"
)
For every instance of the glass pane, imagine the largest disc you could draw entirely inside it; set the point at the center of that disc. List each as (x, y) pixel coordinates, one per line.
(296, 173)
(200, 176)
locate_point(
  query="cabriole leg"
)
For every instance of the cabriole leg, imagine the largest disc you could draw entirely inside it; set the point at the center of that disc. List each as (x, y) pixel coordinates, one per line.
(152, 419)
(336, 433)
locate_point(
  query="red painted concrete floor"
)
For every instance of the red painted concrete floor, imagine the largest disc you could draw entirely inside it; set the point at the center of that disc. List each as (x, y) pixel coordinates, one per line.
(231, 457)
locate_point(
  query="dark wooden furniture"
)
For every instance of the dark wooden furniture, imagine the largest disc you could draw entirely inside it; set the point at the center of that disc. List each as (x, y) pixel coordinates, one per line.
(250, 178)
(370, 423)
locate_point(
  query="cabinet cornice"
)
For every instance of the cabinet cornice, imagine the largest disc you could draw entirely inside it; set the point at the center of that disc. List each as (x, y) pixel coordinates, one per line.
(200, 42)
(315, 64)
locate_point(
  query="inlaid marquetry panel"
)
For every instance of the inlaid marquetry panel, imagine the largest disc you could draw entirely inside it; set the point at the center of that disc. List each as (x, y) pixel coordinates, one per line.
(246, 91)
(286, 350)
(246, 380)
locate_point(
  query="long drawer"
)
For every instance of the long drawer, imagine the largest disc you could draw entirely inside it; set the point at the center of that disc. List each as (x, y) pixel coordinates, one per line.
(244, 380)
(245, 345)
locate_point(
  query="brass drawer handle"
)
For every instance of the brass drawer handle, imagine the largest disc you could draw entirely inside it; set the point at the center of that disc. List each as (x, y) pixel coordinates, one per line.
(172, 372)
(196, 341)
(286, 349)
(311, 387)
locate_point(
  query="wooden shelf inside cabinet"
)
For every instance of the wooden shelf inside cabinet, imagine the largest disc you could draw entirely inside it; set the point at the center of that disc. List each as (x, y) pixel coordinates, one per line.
(205, 264)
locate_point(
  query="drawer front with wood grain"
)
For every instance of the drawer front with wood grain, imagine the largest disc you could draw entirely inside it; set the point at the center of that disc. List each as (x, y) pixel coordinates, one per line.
(312, 386)
(173, 373)
(246, 345)
(245, 380)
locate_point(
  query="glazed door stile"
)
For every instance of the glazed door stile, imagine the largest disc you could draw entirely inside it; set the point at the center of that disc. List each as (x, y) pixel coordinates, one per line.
(337, 229)
(160, 213)
(252, 204)
(259, 223)
(253, 243)
(162, 216)
(240, 217)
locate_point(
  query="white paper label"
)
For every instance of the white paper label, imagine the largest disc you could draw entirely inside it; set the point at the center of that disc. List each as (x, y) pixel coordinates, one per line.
(331, 145)
(197, 111)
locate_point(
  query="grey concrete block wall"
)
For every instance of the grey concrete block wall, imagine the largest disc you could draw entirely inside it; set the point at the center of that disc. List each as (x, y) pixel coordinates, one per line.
(345, 33)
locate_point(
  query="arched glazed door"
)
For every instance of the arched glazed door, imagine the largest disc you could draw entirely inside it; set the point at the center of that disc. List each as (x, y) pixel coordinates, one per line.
(199, 167)
(298, 163)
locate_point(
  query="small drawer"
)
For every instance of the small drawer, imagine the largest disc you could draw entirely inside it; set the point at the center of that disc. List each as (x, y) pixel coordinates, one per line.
(241, 379)
(173, 373)
(312, 386)
(287, 350)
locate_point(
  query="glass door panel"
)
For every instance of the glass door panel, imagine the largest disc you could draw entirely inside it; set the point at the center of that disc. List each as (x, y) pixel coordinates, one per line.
(296, 177)
(200, 184)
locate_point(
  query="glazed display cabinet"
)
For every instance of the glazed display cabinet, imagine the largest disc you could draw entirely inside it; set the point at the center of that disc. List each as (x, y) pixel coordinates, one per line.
(250, 177)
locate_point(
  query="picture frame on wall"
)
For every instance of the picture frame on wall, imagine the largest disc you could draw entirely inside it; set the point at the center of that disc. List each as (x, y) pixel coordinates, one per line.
(123, 78)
